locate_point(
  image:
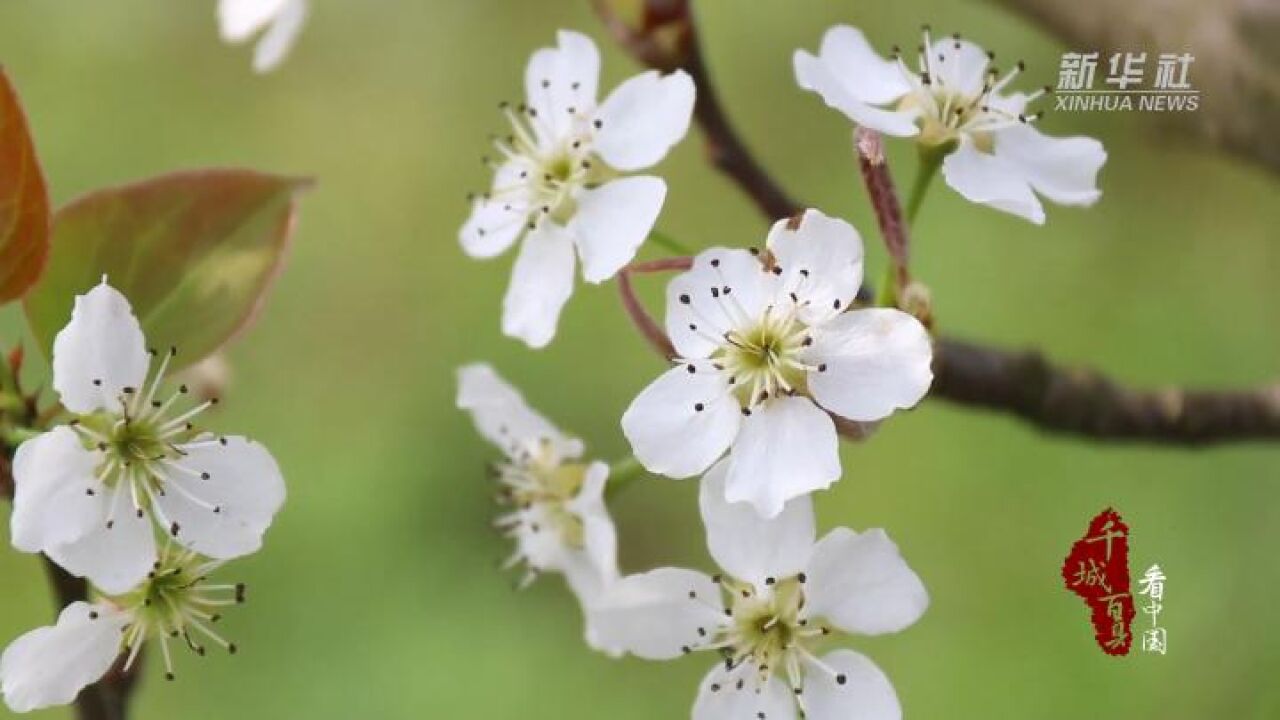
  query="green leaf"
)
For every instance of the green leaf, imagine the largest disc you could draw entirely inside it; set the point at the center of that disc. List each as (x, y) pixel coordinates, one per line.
(24, 200)
(195, 252)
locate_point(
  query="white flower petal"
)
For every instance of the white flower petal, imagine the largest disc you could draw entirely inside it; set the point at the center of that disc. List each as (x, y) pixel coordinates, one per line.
(821, 263)
(1065, 170)
(989, 180)
(786, 448)
(280, 37)
(592, 570)
(876, 360)
(559, 79)
(539, 542)
(497, 221)
(699, 308)
(240, 19)
(50, 665)
(656, 615)
(502, 416)
(223, 497)
(643, 118)
(747, 546)
(814, 74)
(683, 421)
(541, 283)
(860, 583)
(865, 694)
(960, 65)
(100, 352)
(868, 76)
(114, 559)
(613, 221)
(721, 698)
(600, 539)
(52, 475)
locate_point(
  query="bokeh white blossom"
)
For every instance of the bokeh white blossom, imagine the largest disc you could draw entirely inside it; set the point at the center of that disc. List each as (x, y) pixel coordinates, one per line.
(554, 500)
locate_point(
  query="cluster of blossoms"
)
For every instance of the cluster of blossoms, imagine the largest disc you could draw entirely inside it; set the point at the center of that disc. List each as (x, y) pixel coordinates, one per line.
(133, 496)
(774, 354)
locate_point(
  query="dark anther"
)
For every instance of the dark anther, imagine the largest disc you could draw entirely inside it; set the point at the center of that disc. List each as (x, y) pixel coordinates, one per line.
(841, 679)
(698, 407)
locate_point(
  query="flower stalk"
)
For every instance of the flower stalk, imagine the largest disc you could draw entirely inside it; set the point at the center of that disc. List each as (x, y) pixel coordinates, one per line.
(888, 211)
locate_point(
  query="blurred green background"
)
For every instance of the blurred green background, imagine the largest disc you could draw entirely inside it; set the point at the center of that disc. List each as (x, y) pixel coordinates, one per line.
(377, 594)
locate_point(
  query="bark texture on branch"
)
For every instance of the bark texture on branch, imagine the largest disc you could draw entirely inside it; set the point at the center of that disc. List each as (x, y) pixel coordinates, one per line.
(1236, 67)
(1085, 403)
(1082, 403)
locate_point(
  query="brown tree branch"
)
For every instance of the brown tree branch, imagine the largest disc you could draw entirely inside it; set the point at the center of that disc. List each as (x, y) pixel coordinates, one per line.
(1023, 384)
(1084, 403)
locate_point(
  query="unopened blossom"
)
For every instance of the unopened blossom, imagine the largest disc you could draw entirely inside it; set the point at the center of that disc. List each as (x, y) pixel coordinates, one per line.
(955, 101)
(278, 21)
(555, 511)
(768, 348)
(780, 599)
(561, 183)
(92, 494)
(175, 605)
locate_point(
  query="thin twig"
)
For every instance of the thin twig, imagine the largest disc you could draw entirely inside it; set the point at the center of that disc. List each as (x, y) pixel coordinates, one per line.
(1023, 384)
(641, 318)
(6, 478)
(884, 199)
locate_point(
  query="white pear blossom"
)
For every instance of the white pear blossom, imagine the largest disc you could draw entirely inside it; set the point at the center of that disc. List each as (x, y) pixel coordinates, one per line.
(768, 347)
(557, 515)
(240, 20)
(957, 102)
(559, 183)
(174, 603)
(780, 597)
(90, 494)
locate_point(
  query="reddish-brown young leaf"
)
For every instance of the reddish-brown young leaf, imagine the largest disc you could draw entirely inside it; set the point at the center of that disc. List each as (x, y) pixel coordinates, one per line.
(24, 200)
(194, 252)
